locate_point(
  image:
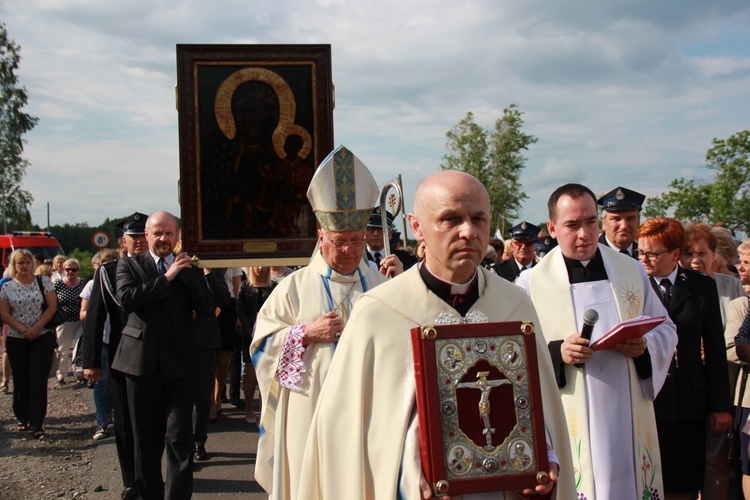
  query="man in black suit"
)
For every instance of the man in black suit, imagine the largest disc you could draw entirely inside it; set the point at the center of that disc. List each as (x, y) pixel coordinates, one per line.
(621, 217)
(98, 355)
(161, 291)
(697, 386)
(376, 245)
(523, 236)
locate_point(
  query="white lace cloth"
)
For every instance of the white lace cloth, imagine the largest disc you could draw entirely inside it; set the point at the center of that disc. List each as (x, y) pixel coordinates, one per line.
(291, 367)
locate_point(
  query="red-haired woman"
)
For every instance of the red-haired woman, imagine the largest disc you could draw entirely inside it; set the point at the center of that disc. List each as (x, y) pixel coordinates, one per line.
(696, 390)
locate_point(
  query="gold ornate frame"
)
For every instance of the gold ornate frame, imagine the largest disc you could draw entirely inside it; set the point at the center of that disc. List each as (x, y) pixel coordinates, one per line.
(255, 122)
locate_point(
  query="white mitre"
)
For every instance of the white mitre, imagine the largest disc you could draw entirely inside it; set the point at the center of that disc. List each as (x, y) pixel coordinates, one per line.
(342, 192)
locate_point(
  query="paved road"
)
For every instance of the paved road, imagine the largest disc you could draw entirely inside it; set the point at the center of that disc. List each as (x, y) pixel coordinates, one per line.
(228, 473)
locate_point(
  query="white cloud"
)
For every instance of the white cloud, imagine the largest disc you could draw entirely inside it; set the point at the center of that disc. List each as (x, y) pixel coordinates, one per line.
(618, 93)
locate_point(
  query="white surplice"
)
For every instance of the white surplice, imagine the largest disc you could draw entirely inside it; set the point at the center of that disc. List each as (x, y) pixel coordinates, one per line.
(364, 438)
(299, 299)
(609, 410)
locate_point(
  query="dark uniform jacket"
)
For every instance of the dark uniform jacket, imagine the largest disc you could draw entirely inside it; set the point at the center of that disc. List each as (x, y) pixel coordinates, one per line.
(103, 301)
(693, 389)
(603, 240)
(405, 257)
(208, 335)
(509, 270)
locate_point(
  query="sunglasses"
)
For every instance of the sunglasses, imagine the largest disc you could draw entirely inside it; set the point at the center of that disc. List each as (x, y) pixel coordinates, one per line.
(71, 270)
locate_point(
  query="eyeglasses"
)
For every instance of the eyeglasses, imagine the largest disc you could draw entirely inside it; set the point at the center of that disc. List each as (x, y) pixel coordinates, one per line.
(71, 270)
(651, 255)
(523, 243)
(344, 244)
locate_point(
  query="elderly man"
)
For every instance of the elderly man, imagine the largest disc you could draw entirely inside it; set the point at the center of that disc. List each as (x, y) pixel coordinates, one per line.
(364, 441)
(621, 216)
(607, 395)
(102, 331)
(300, 323)
(523, 236)
(161, 291)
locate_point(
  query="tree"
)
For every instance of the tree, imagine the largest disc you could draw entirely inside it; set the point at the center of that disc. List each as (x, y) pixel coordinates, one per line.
(494, 158)
(74, 236)
(725, 199)
(84, 258)
(13, 124)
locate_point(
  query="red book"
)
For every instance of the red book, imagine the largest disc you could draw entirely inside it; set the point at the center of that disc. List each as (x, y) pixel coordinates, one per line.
(629, 329)
(480, 409)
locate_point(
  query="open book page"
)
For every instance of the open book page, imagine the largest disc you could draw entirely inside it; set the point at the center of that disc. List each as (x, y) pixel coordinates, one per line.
(628, 329)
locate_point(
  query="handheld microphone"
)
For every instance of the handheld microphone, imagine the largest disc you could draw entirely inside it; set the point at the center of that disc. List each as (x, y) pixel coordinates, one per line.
(590, 317)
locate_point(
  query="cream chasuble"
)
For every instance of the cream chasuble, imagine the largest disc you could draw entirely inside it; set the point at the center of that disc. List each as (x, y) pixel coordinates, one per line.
(364, 439)
(611, 463)
(299, 299)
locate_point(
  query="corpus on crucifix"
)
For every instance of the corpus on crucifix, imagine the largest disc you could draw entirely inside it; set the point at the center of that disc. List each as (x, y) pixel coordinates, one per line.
(485, 386)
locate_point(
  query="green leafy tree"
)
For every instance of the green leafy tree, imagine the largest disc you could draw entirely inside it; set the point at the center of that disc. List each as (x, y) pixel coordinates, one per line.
(74, 236)
(495, 158)
(13, 124)
(78, 237)
(725, 198)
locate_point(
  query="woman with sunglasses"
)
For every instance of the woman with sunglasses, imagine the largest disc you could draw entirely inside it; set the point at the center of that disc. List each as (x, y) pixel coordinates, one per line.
(68, 291)
(29, 344)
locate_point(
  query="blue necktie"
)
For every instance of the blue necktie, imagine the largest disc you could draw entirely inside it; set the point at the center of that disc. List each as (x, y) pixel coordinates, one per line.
(161, 266)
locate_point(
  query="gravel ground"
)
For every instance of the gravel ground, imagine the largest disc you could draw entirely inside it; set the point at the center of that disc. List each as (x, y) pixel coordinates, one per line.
(57, 466)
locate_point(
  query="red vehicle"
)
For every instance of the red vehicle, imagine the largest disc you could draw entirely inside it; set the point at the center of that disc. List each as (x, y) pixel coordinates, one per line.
(36, 242)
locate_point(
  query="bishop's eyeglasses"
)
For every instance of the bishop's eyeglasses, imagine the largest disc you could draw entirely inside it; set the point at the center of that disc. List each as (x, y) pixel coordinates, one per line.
(343, 244)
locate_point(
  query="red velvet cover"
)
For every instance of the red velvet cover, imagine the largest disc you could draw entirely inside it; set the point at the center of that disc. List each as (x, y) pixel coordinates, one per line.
(504, 416)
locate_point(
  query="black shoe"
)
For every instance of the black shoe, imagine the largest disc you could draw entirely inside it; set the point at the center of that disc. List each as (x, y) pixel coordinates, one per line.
(129, 493)
(238, 403)
(200, 453)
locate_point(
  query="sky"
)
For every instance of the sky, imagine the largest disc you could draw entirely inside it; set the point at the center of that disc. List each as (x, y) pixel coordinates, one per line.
(617, 93)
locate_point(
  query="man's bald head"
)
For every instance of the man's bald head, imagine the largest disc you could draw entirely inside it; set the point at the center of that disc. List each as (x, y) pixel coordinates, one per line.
(446, 180)
(452, 216)
(162, 216)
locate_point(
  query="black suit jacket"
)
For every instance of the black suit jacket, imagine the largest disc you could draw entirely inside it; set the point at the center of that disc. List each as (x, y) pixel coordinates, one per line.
(159, 333)
(603, 240)
(407, 259)
(207, 333)
(693, 389)
(508, 269)
(103, 301)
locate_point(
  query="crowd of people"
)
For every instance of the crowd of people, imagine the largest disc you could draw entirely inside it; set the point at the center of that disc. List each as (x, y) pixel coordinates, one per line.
(328, 345)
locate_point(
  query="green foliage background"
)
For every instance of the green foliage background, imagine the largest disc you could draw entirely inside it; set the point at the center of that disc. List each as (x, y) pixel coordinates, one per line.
(725, 198)
(495, 158)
